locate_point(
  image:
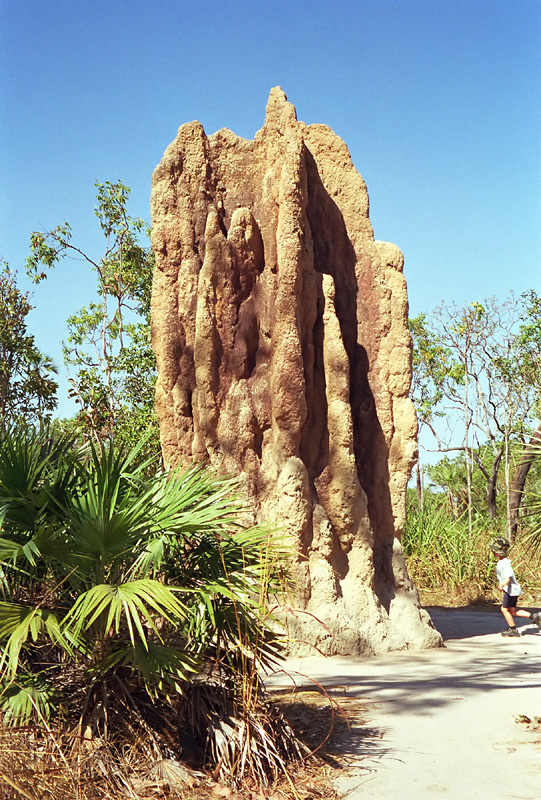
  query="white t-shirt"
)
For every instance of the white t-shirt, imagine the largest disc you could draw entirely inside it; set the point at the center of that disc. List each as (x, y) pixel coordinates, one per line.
(504, 570)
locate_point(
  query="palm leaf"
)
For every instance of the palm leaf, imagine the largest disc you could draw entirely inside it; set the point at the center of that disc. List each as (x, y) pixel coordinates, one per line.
(195, 500)
(137, 603)
(25, 698)
(152, 557)
(18, 623)
(34, 465)
(10, 550)
(159, 665)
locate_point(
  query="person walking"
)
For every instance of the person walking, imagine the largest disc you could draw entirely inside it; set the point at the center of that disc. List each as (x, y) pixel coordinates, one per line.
(510, 587)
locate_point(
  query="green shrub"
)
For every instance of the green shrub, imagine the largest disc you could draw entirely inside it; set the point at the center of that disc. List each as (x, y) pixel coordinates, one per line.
(118, 591)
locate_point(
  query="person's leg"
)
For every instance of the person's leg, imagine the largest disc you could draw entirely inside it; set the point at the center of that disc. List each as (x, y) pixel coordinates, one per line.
(535, 616)
(508, 616)
(509, 611)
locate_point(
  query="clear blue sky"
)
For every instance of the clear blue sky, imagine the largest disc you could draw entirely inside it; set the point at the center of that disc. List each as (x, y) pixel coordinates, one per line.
(439, 102)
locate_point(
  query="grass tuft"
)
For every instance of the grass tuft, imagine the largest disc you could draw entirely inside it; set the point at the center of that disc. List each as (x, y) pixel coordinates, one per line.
(451, 566)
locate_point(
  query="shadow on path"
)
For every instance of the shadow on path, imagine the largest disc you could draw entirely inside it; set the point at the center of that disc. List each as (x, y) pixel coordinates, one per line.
(438, 721)
(468, 621)
(474, 659)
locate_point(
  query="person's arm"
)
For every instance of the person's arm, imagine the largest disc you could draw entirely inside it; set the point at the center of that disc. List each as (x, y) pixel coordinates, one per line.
(507, 575)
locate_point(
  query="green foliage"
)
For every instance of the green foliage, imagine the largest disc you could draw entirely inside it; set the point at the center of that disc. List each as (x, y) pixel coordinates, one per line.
(477, 367)
(529, 343)
(30, 696)
(481, 361)
(27, 385)
(442, 554)
(451, 475)
(432, 365)
(108, 341)
(448, 559)
(113, 579)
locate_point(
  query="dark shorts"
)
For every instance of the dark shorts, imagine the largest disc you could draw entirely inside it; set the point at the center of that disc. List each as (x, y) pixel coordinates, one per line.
(509, 601)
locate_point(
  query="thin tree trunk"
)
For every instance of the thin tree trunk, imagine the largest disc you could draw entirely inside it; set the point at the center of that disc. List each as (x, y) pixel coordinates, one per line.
(507, 488)
(420, 488)
(491, 478)
(492, 484)
(519, 480)
(469, 455)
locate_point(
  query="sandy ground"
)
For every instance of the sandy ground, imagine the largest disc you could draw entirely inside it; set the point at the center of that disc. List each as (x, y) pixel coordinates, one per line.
(441, 723)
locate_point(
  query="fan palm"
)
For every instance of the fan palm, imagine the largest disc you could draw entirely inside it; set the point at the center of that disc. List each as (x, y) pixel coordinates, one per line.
(114, 583)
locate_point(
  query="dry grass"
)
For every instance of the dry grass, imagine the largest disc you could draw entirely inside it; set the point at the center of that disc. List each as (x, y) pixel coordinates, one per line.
(481, 587)
(40, 764)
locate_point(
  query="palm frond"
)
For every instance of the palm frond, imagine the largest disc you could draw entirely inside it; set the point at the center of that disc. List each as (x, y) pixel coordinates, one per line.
(29, 696)
(122, 587)
(34, 465)
(196, 500)
(18, 623)
(136, 603)
(160, 666)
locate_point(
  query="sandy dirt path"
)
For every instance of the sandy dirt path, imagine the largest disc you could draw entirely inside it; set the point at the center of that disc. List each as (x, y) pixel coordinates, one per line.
(441, 723)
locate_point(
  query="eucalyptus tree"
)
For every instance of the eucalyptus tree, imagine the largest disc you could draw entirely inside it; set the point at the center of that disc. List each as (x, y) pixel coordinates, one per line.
(27, 383)
(432, 365)
(478, 364)
(108, 340)
(529, 339)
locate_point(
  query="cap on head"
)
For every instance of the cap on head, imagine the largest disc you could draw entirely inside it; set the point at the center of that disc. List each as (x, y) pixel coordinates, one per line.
(499, 545)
